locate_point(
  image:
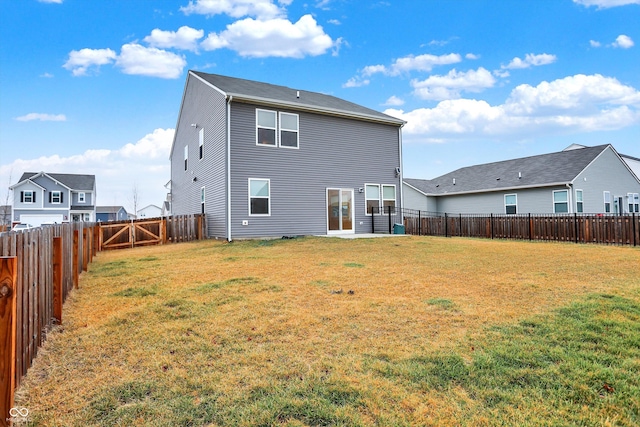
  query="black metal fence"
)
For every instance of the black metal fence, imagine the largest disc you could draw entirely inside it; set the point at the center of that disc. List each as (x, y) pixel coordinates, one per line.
(608, 229)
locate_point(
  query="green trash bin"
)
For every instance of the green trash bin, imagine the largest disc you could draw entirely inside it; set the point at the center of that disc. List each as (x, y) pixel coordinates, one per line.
(398, 229)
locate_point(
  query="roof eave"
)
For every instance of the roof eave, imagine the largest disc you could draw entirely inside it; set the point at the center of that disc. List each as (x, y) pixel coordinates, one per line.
(493, 190)
(315, 109)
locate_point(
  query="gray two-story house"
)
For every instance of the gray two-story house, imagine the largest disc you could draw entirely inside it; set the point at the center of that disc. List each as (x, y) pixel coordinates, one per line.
(262, 160)
(41, 198)
(579, 179)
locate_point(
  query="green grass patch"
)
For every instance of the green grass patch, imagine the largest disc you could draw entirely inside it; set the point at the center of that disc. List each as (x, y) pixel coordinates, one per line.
(136, 292)
(443, 303)
(353, 265)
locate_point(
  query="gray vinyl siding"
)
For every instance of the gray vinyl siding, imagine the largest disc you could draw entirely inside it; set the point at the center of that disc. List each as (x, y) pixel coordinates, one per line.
(333, 153)
(28, 187)
(88, 198)
(206, 107)
(606, 173)
(533, 200)
(413, 199)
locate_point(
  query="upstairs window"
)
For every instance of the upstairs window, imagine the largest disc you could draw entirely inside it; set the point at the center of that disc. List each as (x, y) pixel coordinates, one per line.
(201, 143)
(55, 197)
(372, 198)
(81, 198)
(579, 202)
(607, 202)
(389, 198)
(511, 204)
(634, 202)
(288, 130)
(561, 201)
(186, 157)
(266, 127)
(259, 197)
(27, 197)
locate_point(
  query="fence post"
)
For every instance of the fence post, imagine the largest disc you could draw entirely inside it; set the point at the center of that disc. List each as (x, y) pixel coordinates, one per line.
(491, 226)
(85, 249)
(389, 215)
(575, 225)
(530, 228)
(635, 238)
(76, 273)
(57, 279)
(446, 225)
(419, 224)
(8, 319)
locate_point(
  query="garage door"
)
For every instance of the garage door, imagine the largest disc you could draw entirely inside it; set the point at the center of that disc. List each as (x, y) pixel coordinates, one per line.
(38, 220)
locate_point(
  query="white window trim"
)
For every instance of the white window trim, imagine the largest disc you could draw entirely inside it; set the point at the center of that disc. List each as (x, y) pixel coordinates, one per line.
(203, 199)
(511, 204)
(259, 197)
(24, 197)
(382, 199)
(553, 199)
(82, 197)
(59, 197)
(186, 158)
(607, 200)
(280, 129)
(366, 210)
(579, 191)
(275, 129)
(201, 143)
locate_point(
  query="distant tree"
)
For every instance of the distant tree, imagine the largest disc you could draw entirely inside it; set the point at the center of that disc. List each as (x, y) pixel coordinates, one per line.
(5, 210)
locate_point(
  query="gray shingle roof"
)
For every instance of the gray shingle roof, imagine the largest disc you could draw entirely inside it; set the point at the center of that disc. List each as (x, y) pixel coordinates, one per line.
(73, 181)
(250, 90)
(108, 209)
(535, 171)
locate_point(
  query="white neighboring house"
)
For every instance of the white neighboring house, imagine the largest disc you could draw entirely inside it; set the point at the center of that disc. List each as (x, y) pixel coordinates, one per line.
(40, 198)
(151, 211)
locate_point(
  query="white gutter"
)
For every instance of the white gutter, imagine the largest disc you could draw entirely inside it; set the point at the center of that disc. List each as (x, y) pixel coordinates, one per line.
(317, 109)
(229, 99)
(401, 168)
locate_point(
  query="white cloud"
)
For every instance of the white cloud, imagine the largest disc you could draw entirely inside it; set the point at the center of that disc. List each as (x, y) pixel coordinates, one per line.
(394, 101)
(604, 4)
(356, 82)
(80, 61)
(47, 75)
(623, 42)
(261, 9)
(453, 84)
(143, 163)
(373, 69)
(424, 62)
(275, 37)
(334, 22)
(50, 1)
(595, 43)
(185, 38)
(42, 117)
(149, 61)
(573, 104)
(472, 56)
(530, 60)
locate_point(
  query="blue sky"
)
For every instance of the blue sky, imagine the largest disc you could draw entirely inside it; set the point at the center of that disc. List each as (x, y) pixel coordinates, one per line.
(95, 86)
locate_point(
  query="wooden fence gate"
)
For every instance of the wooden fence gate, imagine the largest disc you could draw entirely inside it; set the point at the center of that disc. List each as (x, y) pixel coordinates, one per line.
(132, 233)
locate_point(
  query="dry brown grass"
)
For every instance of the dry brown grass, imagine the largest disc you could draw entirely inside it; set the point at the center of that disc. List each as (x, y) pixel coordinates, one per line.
(223, 324)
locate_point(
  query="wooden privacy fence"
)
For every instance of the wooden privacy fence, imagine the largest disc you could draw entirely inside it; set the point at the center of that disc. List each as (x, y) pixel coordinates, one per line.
(38, 269)
(154, 231)
(578, 228)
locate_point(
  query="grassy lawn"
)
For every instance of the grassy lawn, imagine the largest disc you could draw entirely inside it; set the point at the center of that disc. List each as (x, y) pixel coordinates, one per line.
(408, 331)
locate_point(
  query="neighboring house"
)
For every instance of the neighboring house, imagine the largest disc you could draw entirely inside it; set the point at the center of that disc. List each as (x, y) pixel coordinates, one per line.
(40, 198)
(578, 179)
(262, 160)
(151, 211)
(111, 213)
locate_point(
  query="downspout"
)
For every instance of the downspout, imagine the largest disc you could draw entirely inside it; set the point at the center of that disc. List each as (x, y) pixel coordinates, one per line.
(229, 99)
(401, 168)
(569, 186)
